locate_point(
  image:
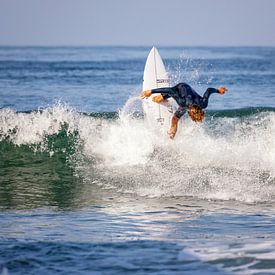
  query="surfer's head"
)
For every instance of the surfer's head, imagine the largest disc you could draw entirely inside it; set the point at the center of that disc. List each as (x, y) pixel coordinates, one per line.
(196, 113)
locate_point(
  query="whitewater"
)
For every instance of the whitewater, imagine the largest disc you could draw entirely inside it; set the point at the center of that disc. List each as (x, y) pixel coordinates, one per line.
(223, 158)
(88, 186)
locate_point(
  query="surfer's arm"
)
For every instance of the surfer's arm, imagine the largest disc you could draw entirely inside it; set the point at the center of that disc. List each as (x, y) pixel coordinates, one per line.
(166, 92)
(209, 92)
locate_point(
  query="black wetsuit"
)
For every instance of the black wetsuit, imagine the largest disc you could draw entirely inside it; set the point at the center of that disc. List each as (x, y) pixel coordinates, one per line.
(185, 96)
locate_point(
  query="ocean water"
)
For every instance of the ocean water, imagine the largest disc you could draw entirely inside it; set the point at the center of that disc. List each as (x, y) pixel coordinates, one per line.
(87, 186)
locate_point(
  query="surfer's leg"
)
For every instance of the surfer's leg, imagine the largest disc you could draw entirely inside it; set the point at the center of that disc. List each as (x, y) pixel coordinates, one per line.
(174, 126)
(174, 122)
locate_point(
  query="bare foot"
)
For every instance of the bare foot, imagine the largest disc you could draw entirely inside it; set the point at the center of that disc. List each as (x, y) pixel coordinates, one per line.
(171, 134)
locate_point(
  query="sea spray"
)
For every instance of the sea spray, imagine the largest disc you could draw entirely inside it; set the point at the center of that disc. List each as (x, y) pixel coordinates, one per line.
(226, 157)
(31, 128)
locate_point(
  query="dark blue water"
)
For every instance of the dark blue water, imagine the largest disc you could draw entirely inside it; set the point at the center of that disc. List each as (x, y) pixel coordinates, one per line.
(88, 187)
(102, 79)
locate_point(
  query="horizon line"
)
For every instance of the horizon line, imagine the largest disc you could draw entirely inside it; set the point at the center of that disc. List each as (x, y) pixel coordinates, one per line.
(132, 45)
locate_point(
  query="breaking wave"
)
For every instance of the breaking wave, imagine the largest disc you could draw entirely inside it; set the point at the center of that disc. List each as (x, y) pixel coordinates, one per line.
(231, 156)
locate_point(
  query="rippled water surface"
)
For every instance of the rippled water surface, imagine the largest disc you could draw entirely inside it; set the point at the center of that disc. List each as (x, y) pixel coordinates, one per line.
(87, 186)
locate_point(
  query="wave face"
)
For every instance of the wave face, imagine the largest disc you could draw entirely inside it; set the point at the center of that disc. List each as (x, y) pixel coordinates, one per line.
(231, 156)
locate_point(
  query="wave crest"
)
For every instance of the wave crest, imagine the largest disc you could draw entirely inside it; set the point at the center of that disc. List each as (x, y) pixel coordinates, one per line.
(226, 157)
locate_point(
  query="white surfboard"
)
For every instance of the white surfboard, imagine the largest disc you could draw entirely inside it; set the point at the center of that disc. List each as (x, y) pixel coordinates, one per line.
(155, 76)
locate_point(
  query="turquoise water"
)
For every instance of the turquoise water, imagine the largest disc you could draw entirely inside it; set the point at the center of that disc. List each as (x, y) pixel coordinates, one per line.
(87, 187)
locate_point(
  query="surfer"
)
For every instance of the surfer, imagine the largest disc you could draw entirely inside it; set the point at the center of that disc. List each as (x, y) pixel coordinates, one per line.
(187, 99)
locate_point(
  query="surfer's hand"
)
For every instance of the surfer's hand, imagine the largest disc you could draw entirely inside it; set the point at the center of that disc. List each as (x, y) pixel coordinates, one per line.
(222, 90)
(145, 94)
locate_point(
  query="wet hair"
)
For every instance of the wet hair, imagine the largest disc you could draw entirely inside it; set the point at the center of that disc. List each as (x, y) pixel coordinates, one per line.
(196, 113)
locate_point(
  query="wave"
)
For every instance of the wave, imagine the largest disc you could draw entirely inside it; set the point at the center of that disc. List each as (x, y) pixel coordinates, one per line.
(231, 156)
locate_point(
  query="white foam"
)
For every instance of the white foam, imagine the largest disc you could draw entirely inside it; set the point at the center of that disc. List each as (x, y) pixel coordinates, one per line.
(215, 251)
(237, 165)
(31, 128)
(223, 158)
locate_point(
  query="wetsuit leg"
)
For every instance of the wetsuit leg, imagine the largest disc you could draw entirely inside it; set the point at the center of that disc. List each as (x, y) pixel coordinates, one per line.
(165, 96)
(180, 112)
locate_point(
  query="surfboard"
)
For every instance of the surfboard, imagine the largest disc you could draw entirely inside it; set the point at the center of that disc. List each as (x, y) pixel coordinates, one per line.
(155, 76)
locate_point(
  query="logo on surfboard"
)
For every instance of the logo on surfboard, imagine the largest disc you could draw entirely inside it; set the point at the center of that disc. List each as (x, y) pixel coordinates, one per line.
(162, 81)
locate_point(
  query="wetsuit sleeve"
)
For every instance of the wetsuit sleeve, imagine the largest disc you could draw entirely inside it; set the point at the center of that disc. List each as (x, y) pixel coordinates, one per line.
(180, 111)
(208, 92)
(166, 92)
